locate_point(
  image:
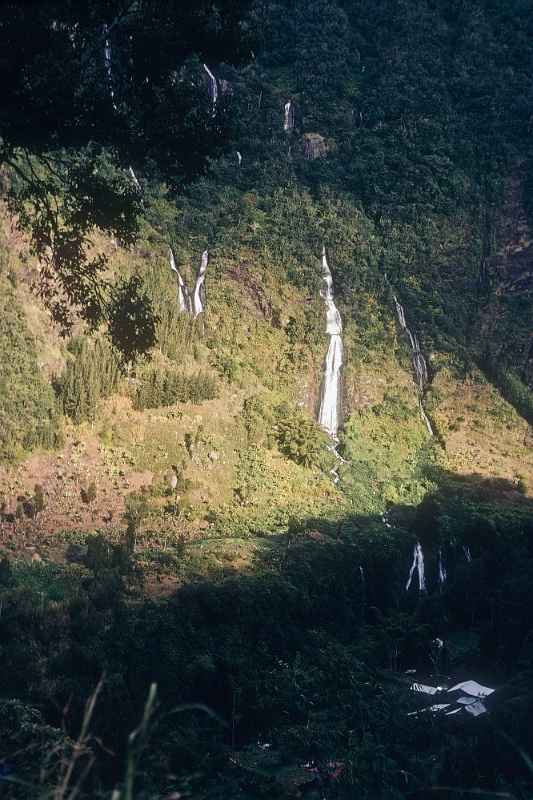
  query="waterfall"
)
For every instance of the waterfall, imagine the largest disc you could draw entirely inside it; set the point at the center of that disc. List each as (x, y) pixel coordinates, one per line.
(330, 401)
(442, 569)
(108, 66)
(184, 300)
(198, 303)
(134, 179)
(418, 564)
(466, 551)
(194, 305)
(239, 158)
(213, 88)
(288, 121)
(419, 362)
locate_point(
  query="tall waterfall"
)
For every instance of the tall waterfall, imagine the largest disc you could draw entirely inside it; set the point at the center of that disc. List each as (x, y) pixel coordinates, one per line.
(418, 565)
(418, 361)
(213, 87)
(195, 304)
(330, 402)
(108, 66)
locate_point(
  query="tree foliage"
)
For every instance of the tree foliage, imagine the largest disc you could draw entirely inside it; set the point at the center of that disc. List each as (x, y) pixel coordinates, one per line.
(89, 92)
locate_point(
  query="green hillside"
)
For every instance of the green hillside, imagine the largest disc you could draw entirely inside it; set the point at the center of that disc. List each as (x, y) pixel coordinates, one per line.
(173, 514)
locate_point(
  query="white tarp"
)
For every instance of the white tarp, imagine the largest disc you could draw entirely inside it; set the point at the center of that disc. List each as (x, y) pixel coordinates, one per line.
(472, 688)
(471, 694)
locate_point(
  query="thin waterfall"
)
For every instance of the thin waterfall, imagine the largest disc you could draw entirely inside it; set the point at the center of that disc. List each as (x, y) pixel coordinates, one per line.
(213, 88)
(288, 121)
(109, 71)
(184, 300)
(362, 577)
(108, 66)
(195, 304)
(419, 362)
(199, 297)
(239, 158)
(442, 569)
(330, 402)
(418, 565)
(134, 179)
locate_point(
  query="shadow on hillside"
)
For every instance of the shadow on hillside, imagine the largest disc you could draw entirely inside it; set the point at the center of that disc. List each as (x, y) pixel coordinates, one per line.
(297, 650)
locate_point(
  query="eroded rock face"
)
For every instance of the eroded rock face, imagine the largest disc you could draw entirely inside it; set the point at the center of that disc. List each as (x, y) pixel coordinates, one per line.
(314, 146)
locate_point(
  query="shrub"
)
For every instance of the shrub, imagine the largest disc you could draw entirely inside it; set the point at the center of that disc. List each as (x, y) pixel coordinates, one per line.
(29, 416)
(90, 375)
(160, 387)
(301, 439)
(88, 495)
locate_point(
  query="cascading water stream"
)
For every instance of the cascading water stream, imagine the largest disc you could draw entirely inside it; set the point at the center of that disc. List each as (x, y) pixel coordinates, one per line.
(195, 304)
(330, 400)
(184, 300)
(134, 179)
(213, 88)
(442, 569)
(418, 565)
(418, 360)
(198, 301)
(288, 121)
(108, 66)
(109, 71)
(329, 413)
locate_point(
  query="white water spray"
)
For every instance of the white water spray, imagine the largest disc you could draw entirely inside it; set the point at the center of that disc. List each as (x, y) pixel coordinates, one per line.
(198, 302)
(288, 121)
(213, 88)
(134, 179)
(418, 565)
(184, 300)
(418, 360)
(194, 305)
(329, 413)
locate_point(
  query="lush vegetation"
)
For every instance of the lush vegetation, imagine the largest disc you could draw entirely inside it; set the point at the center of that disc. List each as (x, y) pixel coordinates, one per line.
(29, 417)
(307, 657)
(164, 387)
(91, 374)
(266, 601)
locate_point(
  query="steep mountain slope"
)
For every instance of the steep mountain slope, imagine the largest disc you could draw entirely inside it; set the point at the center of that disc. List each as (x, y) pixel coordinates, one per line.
(183, 519)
